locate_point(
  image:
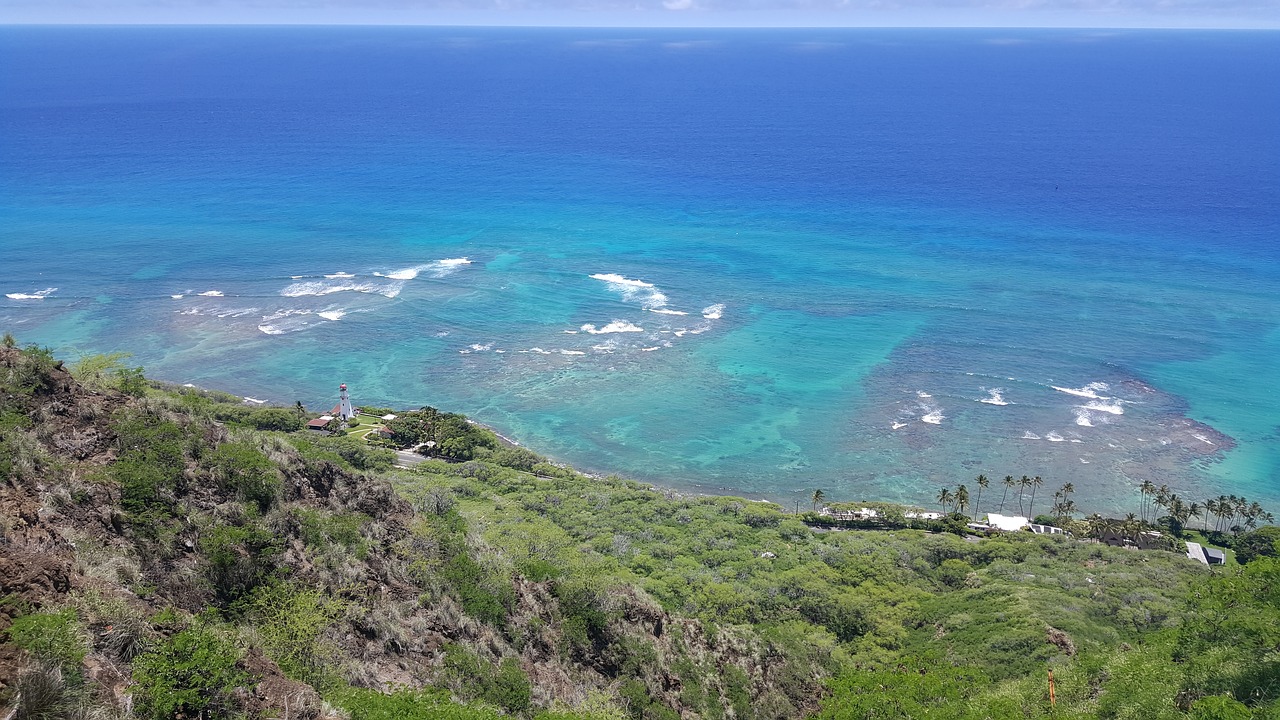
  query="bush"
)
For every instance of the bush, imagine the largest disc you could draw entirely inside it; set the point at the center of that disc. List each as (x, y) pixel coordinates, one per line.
(57, 638)
(278, 419)
(506, 685)
(1263, 542)
(238, 559)
(43, 694)
(516, 458)
(241, 468)
(289, 621)
(406, 704)
(355, 452)
(192, 674)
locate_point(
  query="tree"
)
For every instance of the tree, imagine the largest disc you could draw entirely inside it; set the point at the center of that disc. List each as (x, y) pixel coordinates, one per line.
(818, 496)
(962, 498)
(1145, 489)
(299, 408)
(1023, 483)
(983, 483)
(1009, 482)
(945, 498)
(1036, 483)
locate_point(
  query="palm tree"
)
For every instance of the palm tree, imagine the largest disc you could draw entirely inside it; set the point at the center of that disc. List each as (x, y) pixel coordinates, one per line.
(982, 482)
(962, 498)
(1146, 488)
(818, 496)
(945, 498)
(1008, 483)
(1036, 482)
(1193, 510)
(1023, 483)
(299, 408)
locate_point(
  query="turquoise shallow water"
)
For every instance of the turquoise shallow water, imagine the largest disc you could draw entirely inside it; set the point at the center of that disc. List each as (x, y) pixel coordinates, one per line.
(871, 262)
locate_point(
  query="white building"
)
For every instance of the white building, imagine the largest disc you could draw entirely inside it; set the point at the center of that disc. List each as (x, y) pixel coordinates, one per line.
(1007, 523)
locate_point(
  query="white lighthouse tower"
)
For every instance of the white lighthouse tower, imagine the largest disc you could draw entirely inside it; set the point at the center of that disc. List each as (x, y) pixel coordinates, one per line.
(344, 404)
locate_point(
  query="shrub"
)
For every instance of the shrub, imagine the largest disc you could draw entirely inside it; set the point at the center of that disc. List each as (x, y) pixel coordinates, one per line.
(241, 468)
(57, 638)
(238, 559)
(289, 621)
(406, 704)
(278, 419)
(192, 674)
(516, 458)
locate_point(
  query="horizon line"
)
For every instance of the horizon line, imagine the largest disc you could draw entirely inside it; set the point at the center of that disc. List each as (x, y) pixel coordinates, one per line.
(655, 26)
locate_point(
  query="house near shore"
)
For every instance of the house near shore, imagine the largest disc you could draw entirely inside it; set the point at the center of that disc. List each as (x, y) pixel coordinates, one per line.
(1145, 540)
(922, 515)
(1007, 523)
(849, 515)
(320, 424)
(1047, 530)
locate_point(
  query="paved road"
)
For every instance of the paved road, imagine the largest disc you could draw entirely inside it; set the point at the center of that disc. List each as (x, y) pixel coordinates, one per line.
(406, 459)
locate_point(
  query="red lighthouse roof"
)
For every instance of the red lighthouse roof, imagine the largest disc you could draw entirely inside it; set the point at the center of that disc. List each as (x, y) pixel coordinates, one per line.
(343, 386)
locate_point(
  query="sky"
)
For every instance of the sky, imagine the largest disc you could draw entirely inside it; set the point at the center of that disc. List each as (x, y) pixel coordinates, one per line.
(1244, 14)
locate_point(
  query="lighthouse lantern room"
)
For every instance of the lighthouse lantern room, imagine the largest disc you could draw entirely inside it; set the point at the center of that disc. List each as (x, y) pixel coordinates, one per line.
(344, 404)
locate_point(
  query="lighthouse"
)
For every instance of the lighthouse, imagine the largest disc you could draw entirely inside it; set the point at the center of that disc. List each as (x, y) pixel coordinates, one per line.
(344, 404)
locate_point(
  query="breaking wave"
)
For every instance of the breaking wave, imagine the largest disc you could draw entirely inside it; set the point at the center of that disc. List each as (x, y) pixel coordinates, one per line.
(617, 326)
(644, 293)
(37, 295)
(713, 312)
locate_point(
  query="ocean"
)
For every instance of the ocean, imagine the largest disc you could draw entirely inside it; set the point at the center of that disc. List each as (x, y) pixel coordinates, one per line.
(759, 262)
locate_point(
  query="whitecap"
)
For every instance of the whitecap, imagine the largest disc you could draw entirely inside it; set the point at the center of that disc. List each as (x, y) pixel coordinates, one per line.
(922, 394)
(178, 296)
(617, 326)
(1088, 391)
(303, 289)
(271, 329)
(1054, 437)
(439, 268)
(1083, 418)
(651, 349)
(332, 314)
(633, 290)
(210, 293)
(1114, 408)
(235, 313)
(996, 397)
(572, 352)
(537, 350)
(934, 418)
(897, 425)
(37, 295)
(340, 275)
(254, 400)
(1028, 435)
(713, 312)
(188, 311)
(1082, 460)
(1202, 438)
(479, 348)
(664, 311)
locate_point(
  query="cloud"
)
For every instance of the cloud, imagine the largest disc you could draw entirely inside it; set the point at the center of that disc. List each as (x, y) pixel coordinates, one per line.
(677, 4)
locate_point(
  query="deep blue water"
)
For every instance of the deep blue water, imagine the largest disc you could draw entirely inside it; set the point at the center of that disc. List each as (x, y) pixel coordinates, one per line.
(868, 232)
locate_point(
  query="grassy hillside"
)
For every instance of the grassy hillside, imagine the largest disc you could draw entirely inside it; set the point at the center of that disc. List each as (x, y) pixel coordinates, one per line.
(167, 552)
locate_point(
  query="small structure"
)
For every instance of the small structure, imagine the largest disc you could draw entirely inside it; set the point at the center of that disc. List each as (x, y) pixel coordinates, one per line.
(345, 410)
(849, 515)
(922, 515)
(1007, 523)
(1047, 530)
(767, 555)
(1215, 556)
(1195, 552)
(320, 424)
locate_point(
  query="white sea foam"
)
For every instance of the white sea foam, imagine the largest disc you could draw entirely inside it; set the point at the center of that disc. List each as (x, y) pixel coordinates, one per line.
(210, 293)
(254, 400)
(37, 295)
(234, 313)
(271, 329)
(332, 314)
(315, 287)
(633, 290)
(897, 425)
(538, 351)
(651, 349)
(996, 397)
(922, 394)
(1083, 418)
(178, 296)
(604, 348)
(1028, 435)
(934, 418)
(1082, 460)
(439, 268)
(1202, 438)
(1054, 437)
(617, 326)
(1114, 408)
(188, 311)
(570, 332)
(572, 352)
(713, 312)
(1088, 391)
(480, 348)
(664, 311)
(340, 275)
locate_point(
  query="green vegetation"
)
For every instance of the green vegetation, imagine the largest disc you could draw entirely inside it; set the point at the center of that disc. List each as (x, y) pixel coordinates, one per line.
(227, 566)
